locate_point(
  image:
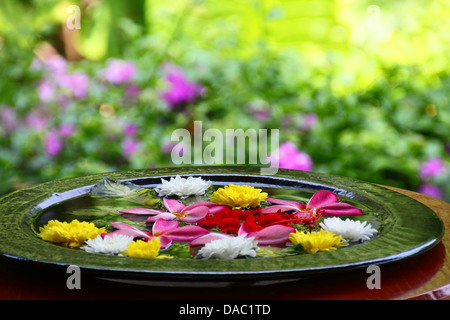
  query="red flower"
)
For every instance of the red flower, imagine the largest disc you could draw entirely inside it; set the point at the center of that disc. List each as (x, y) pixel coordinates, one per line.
(227, 220)
(260, 221)
(271, 231)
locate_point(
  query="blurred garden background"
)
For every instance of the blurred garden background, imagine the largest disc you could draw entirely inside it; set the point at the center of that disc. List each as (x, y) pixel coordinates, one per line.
(357, 88)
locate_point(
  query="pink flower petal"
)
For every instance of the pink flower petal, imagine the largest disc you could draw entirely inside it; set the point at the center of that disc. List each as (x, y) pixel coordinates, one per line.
(165, 242)
(276, 234)
(163, 215)
(196, 214)
(174, 206)
(162, 226)
(278, 207)
(341, 209)
(143, 211)
(292, 204)
(213, 207)
(127, 230)
(284, 202)
(186, 233)
(322, 198)
(208, 238)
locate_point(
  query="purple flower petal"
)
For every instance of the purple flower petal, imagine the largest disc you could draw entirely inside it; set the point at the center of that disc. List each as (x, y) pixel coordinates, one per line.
(180, 90)
(119, 71)
(432, 168)
(431, 190)
(289, 157)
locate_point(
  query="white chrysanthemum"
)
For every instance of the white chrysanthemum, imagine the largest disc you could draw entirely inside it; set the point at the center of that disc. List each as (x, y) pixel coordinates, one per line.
(183, 187)
(229, 248)
(110, 244)
(350, 230)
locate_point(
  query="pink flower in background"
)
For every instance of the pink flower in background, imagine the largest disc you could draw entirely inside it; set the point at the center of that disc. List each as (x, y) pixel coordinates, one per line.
(289, 157)
(56, 64)
(130, 129)
(55, 138)
(58, 82)
(180, 90)
(132, 90)
(8, 120)
(37, 120)
(129, 146)
(66, 130)
(129, 143)
(53, 143)
(432, 168)
(167, 147)
(46, 91)
(309, 120)
(261, 115)
(76, 83)
(119, 71)
(431, 190)
(260, 110)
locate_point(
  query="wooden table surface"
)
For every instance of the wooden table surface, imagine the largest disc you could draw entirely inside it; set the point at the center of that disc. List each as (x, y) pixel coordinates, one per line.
(424, 277)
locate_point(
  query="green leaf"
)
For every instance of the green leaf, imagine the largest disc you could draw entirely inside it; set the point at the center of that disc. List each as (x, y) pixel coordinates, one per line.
(294, 249)
(178, 249)
(112, 188)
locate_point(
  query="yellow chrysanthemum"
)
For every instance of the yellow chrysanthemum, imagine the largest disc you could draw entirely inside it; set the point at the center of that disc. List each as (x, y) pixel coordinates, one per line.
(144, 249)
(72, 234)
(237, 196)
(316, 241)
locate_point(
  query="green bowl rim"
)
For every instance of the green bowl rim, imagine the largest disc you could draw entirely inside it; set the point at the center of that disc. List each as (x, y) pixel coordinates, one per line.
(413, 228)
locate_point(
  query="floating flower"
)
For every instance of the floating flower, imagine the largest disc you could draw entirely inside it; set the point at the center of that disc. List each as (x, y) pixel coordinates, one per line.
(239, 196)
(167, 231)
(129, 231)
(109, 244)
(72, 234)
(183, 187)
(144, 249)
(176, 210)
(283, 205)
(269, 235)
(229, 248)
(201, 241)
(350, 230)
(226, 219)
(313, 242)
(113, 188)
(323, 202)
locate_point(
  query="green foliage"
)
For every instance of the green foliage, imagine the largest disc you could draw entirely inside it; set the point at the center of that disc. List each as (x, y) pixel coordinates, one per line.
(381, 99)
